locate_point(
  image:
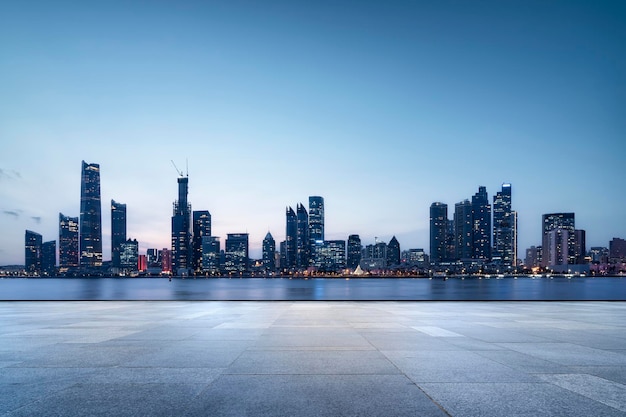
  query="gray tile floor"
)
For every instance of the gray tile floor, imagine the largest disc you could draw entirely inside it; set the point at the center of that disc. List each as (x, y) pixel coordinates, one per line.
(312, 359)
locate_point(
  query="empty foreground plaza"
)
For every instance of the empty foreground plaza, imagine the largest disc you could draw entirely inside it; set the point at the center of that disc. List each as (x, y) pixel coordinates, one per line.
(312, 358)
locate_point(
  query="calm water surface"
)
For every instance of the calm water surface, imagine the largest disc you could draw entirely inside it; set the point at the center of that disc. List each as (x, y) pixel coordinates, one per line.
(322, 289)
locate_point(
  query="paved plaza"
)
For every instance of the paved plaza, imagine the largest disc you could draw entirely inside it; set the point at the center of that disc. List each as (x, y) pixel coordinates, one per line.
(312, 359)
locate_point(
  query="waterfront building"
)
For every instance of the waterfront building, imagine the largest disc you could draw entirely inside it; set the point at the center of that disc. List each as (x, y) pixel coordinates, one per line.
(463, 239)
(393, 252)
(303, 244)
(269, 250)
(415, 257)
(32, 252)
(558, 248)
(201, 229)
(166, 261)
(533, 257)
(580, 246)
(290, 240)
(153, 257)
(129, 256)
(504, 250)
(374, 257)
(331, 255)
(49, 258)
(282, 255)
(181, 230)
(316, 223)
(354, 251)
(68, 242)
(118, 231)
(90, 217)
(236, 254)
(600, 255)
(553, 221)
(211, 255)
(617, 250)
(142, 263)
(438, 232)
(481, 225)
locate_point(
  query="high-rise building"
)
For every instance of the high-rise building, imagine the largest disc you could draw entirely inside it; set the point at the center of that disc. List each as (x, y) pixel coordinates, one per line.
(236, 253)
(553, 221)
(129, 255)
(49, 258)
(331, 255)
(201, 229)
(68, 242)
(303, 245)
(600, 254)
(393, 252)
(463, 239)
(316, 222)
(90, 217)
(580, 246)
(32, 252)
(181, 230)
(153, 258)
(118, 231)
(557, 247)
(354, 251)
(438, 231)
(166, 260)
(374, 256)
(533, 257)
(269, 251)
(290, 239)
(211, 255)
(504, 250)
(481, 225)
(617, 250)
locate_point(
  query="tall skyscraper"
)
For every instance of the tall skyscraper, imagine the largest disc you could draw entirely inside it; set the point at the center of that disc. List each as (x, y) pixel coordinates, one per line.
(464, 238)
(438, 231)
(566, 253)
(354, 251)
(236, 253)
(32, 252)
(49, 258)
(303, 244)
(201, 229)
(580, 246)
(481, 225)
(90, 217)
(504, 228)
(68, 242)
(269, 252)
(316, 222)
(211, 254)
(118, 231)
(181, 230)
(393, 252)
(290, 239)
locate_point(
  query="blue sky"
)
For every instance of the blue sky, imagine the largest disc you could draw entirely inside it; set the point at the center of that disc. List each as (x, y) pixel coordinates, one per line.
(380, 107)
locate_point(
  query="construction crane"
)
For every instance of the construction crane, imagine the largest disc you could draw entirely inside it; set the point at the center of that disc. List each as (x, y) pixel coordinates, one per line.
(176, 168)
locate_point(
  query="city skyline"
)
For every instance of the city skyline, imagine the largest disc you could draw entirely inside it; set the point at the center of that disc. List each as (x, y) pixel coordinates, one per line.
(381, 109)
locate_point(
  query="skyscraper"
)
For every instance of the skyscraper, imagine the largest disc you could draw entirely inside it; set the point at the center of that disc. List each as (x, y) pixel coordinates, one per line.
(90, 217)
(201, 229)
(211, 255)
(481, 225)
(316, 222)
(393, 252)
(464, 238)
(181, 230)
(303, 244)
(68, 242)
(269, 252)
(354, 251)
(236, 253)
(438, 231)
(290, 239)
(504, 228)
(49, 258)
(566, 252)
(118, 231)
(32, 252)
(129, 255)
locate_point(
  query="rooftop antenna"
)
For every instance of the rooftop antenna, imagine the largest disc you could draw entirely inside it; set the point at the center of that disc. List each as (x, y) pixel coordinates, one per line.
(178, 171)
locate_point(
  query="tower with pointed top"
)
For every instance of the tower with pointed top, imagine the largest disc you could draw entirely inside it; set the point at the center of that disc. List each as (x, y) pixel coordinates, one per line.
(290, 239)
(269, 253)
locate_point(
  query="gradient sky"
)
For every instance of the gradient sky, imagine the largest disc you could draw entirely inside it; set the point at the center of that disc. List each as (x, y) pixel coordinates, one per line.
(379, 107)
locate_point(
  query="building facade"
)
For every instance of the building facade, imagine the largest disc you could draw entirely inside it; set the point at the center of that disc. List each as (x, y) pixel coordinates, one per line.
(181, 230)
(354, 251)
(90, 217)
(438, 232)
(68, 243)
(269, 253)
(463, 227)
(504, 250)
(316, 223)
(118, 231)
(211, 255)
(554, 221)
(32, 252)
(201, 229)
(236, 253)
(393, 252)
(481, 225)
(290, 240)
(49, 258)
(303, 244)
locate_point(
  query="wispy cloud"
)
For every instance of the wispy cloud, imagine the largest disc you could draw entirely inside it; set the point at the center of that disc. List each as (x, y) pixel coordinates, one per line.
(9, 174)
(37, 219)
(12, 213)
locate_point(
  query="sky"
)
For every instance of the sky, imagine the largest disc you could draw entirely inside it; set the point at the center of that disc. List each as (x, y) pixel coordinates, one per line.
(380, 107)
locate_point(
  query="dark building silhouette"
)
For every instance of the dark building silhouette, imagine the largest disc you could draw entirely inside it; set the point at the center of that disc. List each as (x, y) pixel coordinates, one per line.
(303, 244)
(617, 250)
(438, 232)
(316, 223)
(580, 246)
(269, 253)
(32, 252)
(393, 252)
(463, 236)
(68, 242)
(504, 250)
(290, 239)
(236, 253)
(181, 230)
(129, 256)
(481, 225)
(49, 258)
(554, 248)
(118, 231)
(354, 251)
(90, 217)
(201, 229)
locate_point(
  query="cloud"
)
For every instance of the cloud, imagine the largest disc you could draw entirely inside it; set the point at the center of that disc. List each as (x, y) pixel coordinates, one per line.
(37, 219)
(9, 174)
(14, 213)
